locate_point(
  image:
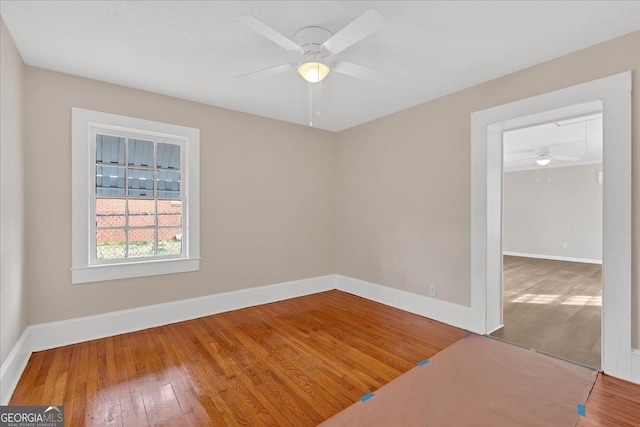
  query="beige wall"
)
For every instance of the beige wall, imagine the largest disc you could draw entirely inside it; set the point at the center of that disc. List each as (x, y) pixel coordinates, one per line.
(403, 193)
(267, 199)
(540, 215)
(387, 201)
(13, 297)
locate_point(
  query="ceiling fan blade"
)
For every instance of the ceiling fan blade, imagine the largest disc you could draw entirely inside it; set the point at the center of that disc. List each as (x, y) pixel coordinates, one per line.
(263, 29)
(359, 71)
(517, 156)
(567, 158)
(521, 159)
(363, 26)
(268, 71)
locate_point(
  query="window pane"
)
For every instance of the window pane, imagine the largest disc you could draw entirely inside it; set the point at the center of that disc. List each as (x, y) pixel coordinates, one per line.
(168, 184)
(169, 241)
(140, 153)
(170, 213)
(140, 182)
(110, 244)
(109, 181)
(142, 242)
(109, 150)
(142, 213)
(110, 213)
(168, 156)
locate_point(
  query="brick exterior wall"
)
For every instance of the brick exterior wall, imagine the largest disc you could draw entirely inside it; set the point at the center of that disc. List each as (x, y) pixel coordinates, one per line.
(111, 213)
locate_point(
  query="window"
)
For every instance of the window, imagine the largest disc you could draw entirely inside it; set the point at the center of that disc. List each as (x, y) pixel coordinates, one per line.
(135, 213)
(144, 217)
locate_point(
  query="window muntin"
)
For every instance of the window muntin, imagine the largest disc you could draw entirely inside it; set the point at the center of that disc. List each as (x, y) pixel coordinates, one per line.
(138, 197)
(176, 233)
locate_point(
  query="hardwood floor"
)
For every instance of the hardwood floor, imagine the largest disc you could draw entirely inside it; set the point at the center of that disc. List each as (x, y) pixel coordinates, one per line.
(291, 363)
(612, 402)
(295, 362)
(554, 307)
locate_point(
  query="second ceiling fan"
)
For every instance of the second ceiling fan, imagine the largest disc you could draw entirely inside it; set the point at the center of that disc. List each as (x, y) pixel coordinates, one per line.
(317, 45)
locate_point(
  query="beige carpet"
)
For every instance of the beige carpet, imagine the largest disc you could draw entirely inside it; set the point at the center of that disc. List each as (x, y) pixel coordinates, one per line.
(554, 307)
(477, 381)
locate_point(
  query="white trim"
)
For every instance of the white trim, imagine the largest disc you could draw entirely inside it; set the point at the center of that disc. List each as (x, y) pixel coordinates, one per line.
(436, 309)
(486, 197)
(497, 328)
(82, 174)
(554, 257)
(13, 366)
(554, 166)
(635, 367)
(65, 332)
(56, 334)
(95, 273)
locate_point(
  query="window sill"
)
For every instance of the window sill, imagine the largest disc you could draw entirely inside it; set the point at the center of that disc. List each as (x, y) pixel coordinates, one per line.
(99, 273)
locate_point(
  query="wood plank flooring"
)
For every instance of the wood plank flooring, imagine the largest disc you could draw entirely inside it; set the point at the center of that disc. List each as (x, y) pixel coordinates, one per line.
(612, 402)
(294, 362)
(290, 363)
(554, 307)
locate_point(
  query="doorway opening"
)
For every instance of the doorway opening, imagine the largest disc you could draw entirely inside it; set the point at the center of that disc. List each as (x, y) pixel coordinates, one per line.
(552, 233)
(486, 208)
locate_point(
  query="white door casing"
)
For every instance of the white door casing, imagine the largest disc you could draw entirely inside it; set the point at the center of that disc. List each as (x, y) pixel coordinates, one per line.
(486, 208)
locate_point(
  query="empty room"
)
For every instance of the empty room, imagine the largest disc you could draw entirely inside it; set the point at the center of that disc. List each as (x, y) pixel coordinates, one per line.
(347, 213)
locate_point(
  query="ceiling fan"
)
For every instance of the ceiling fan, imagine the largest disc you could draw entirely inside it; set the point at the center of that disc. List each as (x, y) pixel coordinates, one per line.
(544, 156)
(317, 46)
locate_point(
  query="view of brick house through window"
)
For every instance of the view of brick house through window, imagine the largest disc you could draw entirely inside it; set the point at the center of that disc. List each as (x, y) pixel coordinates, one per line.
(144, 217)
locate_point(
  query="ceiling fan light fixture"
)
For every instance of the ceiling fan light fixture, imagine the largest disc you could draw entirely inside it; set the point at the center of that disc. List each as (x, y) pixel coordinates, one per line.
(543, 162)
(313, 71)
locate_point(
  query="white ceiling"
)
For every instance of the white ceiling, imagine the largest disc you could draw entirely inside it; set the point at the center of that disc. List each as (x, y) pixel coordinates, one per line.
(579, 137)
(193, 50)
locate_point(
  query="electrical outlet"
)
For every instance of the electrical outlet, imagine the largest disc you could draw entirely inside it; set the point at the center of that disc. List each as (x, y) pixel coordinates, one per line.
(565, 245)
(432, 290)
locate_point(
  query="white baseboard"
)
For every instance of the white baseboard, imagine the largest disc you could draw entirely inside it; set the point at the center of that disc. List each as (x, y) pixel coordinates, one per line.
(57, 334)
(554, 257)
(489, 332)
(635, 366)
(442, 311)
(12, 368)
(65, 332)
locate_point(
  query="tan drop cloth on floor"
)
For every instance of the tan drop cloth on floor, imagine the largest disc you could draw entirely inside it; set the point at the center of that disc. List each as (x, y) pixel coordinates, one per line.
(478, 382)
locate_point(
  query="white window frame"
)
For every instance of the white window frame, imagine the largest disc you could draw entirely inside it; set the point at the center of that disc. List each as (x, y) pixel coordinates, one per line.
(96, 130)
(85, 267)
